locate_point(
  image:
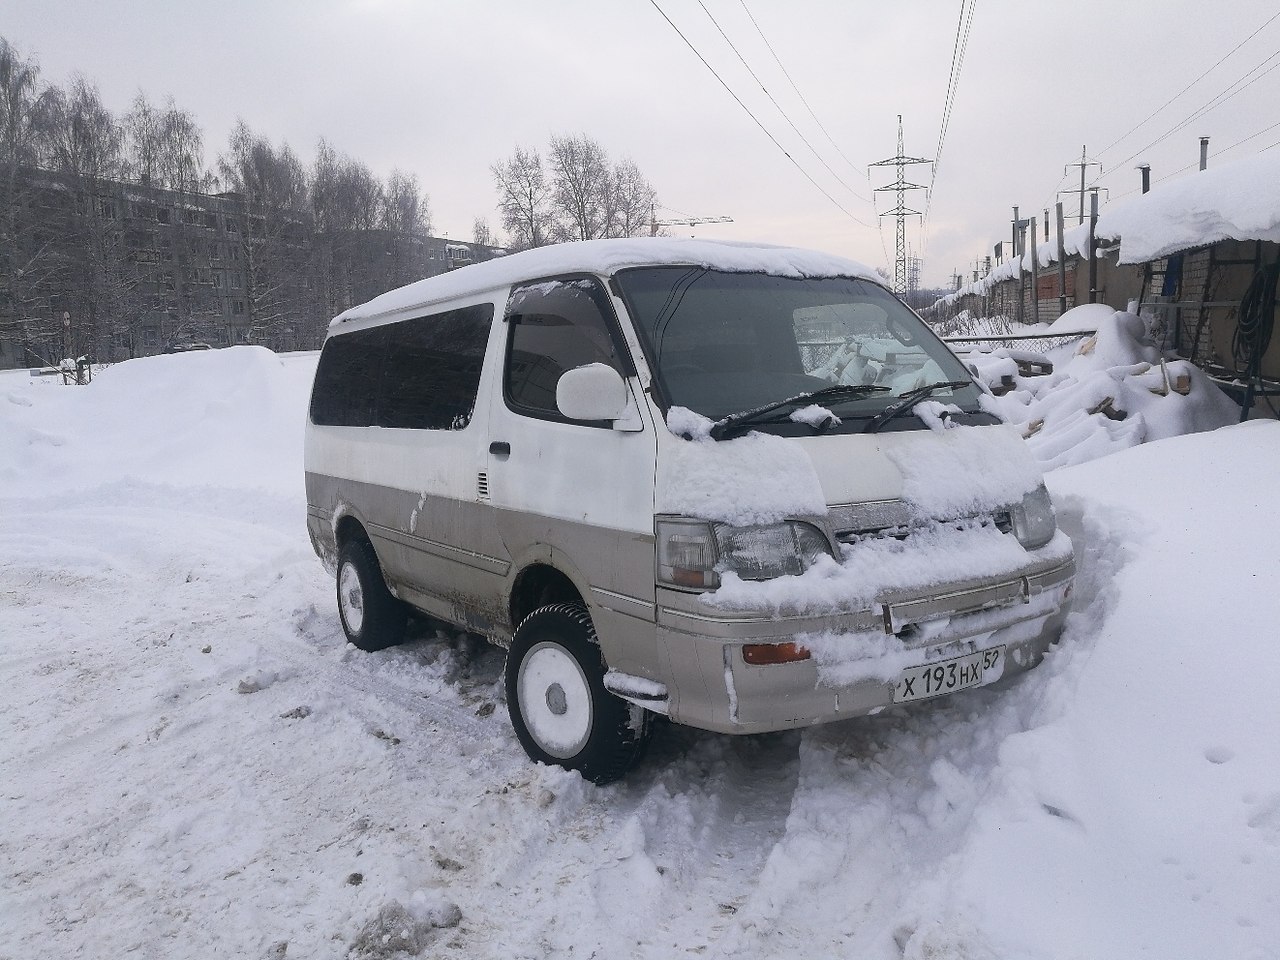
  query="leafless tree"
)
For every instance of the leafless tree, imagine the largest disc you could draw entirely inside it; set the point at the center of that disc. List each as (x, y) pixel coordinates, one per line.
(29, 254)
(406, 211)
(632, 200)
(582, 197)
(480, 232)
(270, 190)
(88, 143)
(524, 199)
(581, 187)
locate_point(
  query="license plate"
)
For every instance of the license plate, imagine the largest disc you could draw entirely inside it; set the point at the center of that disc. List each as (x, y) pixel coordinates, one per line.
(946, 676)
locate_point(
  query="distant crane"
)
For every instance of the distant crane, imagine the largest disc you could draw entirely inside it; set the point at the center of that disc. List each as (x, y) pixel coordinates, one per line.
(655, 223)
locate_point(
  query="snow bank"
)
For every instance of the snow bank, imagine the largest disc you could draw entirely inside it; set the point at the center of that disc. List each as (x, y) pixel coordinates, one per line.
(1141, 808)
(1107, 393)
(224, 418)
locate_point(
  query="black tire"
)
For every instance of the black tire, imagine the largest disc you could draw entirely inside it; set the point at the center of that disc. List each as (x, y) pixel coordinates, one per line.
(371, 617)
(559, 707)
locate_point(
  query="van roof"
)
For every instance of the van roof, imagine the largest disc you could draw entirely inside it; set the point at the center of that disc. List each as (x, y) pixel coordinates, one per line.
(607, 257)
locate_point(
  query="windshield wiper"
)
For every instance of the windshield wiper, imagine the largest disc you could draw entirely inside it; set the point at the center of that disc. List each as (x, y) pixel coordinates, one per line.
(838, 391)
(909, 400)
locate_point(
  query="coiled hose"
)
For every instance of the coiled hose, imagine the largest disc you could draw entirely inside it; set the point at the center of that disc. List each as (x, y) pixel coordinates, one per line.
(1257, 318)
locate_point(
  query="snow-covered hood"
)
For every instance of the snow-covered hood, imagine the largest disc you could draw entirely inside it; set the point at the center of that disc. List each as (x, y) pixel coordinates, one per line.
(761, 478)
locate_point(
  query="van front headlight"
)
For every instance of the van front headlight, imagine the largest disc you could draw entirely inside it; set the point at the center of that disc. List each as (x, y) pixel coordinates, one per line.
(692, 553)
(1034, 522)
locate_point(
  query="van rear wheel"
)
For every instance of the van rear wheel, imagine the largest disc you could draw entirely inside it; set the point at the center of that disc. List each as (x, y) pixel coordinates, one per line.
(371, 617)
(559, 707)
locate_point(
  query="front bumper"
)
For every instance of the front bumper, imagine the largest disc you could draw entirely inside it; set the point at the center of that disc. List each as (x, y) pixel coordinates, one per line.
(716, 689)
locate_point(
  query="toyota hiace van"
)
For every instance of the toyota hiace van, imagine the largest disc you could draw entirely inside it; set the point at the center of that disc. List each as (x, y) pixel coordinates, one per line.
(742, 487)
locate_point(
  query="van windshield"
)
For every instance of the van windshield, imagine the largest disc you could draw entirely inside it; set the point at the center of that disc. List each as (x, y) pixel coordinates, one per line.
(724, 343)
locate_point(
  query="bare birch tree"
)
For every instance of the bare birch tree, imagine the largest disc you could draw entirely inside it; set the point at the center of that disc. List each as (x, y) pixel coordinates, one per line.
(581, 187)
(29, 254)
(524, 199)
(272, 192)
(582, 196)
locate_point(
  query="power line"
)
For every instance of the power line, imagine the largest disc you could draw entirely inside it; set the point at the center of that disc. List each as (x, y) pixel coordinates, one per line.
(852, 166)
(762, 127)
(772, 100)
(1196, 163)
(964, 26)
(1213, 104)
(1190, 85)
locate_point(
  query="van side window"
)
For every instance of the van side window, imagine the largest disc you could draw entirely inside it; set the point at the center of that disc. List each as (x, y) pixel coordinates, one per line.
(346, 385)
(431, 371)
(556, 325)
(419, 374)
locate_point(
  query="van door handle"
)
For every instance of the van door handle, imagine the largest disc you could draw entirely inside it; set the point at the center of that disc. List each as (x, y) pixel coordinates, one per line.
(500, 448)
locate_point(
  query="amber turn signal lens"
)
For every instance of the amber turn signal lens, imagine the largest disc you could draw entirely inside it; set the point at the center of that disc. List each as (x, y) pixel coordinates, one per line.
(764, 654)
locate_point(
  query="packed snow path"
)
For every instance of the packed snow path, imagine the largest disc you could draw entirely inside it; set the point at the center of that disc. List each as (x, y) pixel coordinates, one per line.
(195, 763)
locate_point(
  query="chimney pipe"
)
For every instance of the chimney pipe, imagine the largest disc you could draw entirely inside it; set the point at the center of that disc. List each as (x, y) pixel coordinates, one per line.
(1204, 153)
(1146, 176)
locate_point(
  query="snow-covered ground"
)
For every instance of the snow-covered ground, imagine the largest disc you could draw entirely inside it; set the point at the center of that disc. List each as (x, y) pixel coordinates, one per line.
(193, 763)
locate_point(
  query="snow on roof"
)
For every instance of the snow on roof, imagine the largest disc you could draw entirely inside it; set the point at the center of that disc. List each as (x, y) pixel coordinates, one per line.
(606, 257)
(1236, 201)
(1075, 241)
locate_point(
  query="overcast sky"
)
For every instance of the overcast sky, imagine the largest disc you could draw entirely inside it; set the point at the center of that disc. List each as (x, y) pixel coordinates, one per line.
(442, 90)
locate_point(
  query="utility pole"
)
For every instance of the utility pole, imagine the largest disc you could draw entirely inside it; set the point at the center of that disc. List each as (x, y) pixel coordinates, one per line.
(900, 212)
(1019, 242)
(1083, 163)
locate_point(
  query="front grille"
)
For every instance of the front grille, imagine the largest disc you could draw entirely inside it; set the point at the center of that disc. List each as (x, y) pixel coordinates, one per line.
(878, 519)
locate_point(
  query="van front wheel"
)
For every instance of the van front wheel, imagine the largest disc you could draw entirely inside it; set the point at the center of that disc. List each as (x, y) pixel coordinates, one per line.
(559, 707)
(371, 617)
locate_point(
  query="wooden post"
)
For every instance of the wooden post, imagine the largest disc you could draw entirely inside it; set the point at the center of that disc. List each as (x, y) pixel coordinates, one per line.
(1093, 248)
(1035, 274)
(1062, 267)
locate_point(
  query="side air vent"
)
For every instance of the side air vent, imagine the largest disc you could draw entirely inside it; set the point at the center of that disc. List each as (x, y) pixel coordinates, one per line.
(482, 486)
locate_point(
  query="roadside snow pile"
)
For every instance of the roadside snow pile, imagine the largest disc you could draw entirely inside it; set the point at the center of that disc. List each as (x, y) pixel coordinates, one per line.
(195, 419)
(1107, 392)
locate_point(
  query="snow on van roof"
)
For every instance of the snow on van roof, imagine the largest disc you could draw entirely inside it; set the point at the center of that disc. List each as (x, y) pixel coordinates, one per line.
(606, 257)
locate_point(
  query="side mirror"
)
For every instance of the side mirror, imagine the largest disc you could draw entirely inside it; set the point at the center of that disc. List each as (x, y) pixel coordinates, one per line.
(591, 392)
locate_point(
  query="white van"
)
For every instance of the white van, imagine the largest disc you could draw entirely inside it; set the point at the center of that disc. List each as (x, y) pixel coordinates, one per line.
(739, 486)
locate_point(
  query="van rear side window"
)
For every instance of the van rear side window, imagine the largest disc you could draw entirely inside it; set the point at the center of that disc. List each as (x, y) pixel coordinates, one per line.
(420, 374)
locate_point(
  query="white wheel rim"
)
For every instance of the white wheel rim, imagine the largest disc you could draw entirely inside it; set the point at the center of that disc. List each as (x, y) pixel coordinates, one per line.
(351, 597)
(555, 700)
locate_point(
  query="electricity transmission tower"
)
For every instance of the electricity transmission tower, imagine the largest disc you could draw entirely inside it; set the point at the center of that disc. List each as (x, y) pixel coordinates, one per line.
(900, 212)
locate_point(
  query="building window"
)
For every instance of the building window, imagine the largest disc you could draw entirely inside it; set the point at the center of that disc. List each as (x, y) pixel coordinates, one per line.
(237, 307)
